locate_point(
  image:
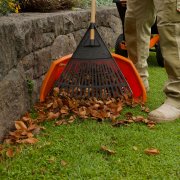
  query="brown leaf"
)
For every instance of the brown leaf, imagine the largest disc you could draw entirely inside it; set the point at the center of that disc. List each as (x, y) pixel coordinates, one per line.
(55, 104)
(49, 105)
(59, 101)
(151, 124)
(52, 159)
(9, 141)
(71, 119)
(82, 112)
(113, 119)
(144, 108)
(37, 130)
(52, 115)
(10, 153)
(119, 108)
(64, 110)
(130, 121)
(105, 114)
(139, 119)
(41, 117)
(73, 104)
(108, 151)
(151, 151)
(28, 141)
(108, 102)
(29, 134)
(100, 102)
(95, 114)
(63, 163)
(60, 122)
(128, 115)
(96, 106)
(120, 123)
(16, 134)
(56, 91)
(26, 119)
(20, 125)
(32, 127)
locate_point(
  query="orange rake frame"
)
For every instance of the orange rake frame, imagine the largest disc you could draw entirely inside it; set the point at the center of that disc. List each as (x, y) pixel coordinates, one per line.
(127, 67)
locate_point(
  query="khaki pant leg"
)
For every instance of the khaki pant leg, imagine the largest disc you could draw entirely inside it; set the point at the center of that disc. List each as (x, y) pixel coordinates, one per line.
(168, 21)
(140, 16)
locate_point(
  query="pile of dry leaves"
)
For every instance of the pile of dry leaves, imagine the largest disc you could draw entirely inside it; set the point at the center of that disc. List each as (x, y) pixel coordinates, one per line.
(65, 110)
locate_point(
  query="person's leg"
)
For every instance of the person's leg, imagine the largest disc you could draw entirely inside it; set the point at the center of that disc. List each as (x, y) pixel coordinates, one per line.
(168, 21)
(139, 18)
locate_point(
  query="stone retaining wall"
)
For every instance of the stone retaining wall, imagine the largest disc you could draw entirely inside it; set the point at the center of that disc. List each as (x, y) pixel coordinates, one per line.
(29, 42)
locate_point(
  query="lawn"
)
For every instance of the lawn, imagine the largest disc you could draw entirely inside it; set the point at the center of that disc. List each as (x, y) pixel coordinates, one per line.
(74, 151)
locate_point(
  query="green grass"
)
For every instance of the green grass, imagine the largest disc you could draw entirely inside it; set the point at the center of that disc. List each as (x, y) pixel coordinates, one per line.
(79, 145)
(85, 3)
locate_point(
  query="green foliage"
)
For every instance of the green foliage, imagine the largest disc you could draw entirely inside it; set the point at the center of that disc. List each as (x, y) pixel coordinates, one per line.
(30, 86)
(51, 5)
(104, 2)
(46, 5)
(7, 6)
(85, 3)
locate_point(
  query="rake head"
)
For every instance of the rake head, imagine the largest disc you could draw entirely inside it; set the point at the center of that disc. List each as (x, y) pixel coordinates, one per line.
(101, 79)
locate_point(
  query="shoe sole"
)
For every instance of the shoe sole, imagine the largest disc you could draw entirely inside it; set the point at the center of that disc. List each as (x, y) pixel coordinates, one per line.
(159, 120)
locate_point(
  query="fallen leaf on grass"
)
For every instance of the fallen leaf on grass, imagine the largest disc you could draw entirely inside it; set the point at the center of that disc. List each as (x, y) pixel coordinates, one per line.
(20, 125)
(139, 119)
(129, 115)
(10, 153)
(61, 122)
(108, 151)
(49, 105)
(37, 130)
(56, 91)
(151, 124)
(64, 110)
(151, 151)
(55, 104)
(145, 109)
(28, 141)
(121, 123)
(52, 159)
(52, 115)
(82, 112)
(63, 163)
(135, 148)
(71, 119)
(26, 119)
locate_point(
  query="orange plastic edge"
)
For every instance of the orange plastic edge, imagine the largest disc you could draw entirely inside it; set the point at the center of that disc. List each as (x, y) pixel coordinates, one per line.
(133, 72)
(51, 76)
(153, 41)
(57, 67)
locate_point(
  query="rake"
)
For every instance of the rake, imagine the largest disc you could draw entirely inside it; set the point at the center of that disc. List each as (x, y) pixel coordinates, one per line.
(92, 71)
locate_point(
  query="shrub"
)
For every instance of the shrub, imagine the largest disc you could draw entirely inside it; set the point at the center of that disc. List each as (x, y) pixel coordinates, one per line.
(52, 5)
(7, 6)
(46, 5)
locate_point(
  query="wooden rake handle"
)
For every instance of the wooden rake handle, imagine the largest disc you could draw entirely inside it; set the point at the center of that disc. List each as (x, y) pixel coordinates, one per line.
(93, 18)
